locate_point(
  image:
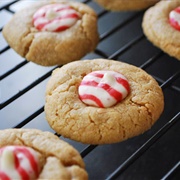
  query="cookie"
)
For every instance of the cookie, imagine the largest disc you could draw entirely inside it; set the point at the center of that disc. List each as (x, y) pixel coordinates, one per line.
(126, 5)
(53, 32)
(33, 154)
(102, 101)
(161, 27)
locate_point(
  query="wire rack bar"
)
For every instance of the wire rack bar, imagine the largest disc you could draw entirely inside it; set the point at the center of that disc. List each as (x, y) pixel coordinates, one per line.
(20, 93)
(121, 50)
(4, 49)
(151, 60)
(169, 81)
(144, 147)
(28, 119)
(86, 1)
(13, 69)
(101, 53)
(102, 13)
(126, 47)
(7, 5)
(171, 86)
(107, 34)
(58, 135)
(87, 150)
(172, 171)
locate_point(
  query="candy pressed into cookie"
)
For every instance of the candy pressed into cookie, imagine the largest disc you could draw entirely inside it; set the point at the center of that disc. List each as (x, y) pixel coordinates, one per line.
(126, 5)
(161, 25)
(53, 32)
(33, 154)
(102, 101)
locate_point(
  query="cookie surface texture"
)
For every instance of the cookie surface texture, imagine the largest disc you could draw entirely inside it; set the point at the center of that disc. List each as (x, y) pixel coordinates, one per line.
(72, 118)
(125, 5)
(56, 158)
(53, 32)
(158, 29)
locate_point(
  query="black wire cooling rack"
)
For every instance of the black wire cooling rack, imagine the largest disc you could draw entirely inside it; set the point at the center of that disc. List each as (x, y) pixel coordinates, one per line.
(152, 155)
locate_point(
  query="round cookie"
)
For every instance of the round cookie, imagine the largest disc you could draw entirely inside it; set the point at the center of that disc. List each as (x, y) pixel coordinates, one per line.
(72, 118)
(22, 150)
(53, 32)
(158, 29)
(125, 5)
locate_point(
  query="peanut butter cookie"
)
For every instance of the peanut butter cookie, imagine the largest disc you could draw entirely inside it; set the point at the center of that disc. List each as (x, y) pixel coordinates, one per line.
(53, 32)
(33, 154)
(161, 25)
(126, 5)
(102, 101)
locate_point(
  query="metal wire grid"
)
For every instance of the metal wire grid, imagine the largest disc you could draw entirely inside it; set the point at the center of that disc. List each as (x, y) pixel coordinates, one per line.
(170, 82)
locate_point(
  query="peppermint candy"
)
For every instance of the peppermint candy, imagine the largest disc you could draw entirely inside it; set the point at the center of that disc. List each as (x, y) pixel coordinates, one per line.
(55, 17)
(103, 88)
(18, 162)
(174, 18)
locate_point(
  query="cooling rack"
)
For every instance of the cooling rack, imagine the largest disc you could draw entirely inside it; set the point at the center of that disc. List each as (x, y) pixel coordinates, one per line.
(152, 155)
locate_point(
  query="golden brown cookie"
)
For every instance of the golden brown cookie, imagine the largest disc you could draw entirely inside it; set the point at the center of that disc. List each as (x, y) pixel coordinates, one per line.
(33, 154)
(53, 32)
(133, 114)
(126, 5)
(160, 27)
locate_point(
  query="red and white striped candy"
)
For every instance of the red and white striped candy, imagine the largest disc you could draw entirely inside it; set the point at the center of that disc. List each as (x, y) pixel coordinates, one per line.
(174, 18)
(55, 17)
(18, 162)
(103, 88)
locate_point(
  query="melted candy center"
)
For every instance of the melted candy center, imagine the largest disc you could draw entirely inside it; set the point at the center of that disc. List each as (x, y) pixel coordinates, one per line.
(174, 18)
(55, 17)
(18, 162)
(103, 88)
